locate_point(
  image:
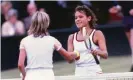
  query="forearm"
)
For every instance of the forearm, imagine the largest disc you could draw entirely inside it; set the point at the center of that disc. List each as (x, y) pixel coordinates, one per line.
(103, 54)
(70, 56)
(22, 70)
(66, 55)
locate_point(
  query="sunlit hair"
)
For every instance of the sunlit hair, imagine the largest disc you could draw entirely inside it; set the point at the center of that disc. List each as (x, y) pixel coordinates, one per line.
(12, 12)
(6, 3)
(88, 12)
(39, 24)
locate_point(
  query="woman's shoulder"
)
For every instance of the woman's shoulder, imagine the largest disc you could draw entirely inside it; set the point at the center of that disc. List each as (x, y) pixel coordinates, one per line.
(24, 38)
(98, 32)
(27, 37)
(72, 35)
(50, 37)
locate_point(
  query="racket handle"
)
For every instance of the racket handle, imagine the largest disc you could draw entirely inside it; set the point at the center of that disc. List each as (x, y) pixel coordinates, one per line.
(84, 31)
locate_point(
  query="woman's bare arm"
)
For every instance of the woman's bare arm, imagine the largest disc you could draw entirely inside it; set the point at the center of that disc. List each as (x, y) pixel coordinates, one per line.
(21, 66)
(69, 55)
(70, 46)
(102, 45)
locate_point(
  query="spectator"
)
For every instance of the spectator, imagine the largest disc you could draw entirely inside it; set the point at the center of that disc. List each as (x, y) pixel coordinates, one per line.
(31, 9)
(85, 2)
(115, 14)
(62, 3)
(12, 26)
(5, 7)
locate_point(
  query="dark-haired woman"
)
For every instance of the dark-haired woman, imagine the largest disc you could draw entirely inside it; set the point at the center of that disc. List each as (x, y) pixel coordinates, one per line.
(88, 41)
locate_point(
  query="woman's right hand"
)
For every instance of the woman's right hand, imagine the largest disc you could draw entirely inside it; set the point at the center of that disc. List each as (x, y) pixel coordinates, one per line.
(75, 55)
(23, 78)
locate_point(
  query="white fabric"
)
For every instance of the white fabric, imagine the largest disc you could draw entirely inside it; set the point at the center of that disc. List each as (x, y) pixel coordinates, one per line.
(86, 58)
(88, 71)
(40, 74)
(39, 51)
(84, 31)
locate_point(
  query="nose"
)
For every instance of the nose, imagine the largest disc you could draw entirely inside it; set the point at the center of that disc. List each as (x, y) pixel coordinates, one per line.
(77, 19)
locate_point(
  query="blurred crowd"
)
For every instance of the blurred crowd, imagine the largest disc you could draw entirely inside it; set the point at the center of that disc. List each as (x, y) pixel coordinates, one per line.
(12, 26)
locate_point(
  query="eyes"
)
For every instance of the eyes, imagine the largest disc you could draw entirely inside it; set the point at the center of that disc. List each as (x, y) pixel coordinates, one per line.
(80, 16)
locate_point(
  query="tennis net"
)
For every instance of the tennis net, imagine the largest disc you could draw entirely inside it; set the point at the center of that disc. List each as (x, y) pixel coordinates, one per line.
(105, 76)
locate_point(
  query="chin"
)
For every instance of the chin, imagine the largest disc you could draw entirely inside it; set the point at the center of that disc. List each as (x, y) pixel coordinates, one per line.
(79, 27)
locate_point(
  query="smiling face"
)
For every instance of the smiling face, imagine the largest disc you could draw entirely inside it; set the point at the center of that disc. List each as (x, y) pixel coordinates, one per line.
(81, 20)
(84, 17)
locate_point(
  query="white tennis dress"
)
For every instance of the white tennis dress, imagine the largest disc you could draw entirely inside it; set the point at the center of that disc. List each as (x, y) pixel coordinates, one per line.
(86, 65)
(39, 53)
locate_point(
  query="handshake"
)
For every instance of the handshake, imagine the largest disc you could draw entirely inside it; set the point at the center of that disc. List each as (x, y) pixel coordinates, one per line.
(66, 54)
(75, 55)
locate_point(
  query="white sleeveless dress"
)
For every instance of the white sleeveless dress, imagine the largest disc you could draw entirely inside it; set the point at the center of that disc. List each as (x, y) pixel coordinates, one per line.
(86, 65)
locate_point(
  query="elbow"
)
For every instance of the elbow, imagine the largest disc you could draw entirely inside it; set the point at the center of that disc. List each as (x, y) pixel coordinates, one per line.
(20, 66)
(106, 56)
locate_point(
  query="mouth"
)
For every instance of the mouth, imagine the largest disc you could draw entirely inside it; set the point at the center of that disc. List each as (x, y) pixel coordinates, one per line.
(78, 23)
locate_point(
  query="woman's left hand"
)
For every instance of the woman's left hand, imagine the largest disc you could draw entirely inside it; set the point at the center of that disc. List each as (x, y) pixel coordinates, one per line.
(95, 52)
(23, 78)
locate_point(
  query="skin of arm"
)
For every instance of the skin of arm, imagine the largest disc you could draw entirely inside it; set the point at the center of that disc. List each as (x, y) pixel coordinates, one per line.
(70, 56)
(100, 39)
(70, 46)
(21, 66)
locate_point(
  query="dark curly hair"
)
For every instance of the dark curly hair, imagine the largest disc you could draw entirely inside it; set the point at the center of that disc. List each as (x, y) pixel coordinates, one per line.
(88, 12)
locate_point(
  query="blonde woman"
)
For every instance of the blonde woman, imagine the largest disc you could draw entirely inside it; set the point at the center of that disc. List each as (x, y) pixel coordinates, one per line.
(38, 47)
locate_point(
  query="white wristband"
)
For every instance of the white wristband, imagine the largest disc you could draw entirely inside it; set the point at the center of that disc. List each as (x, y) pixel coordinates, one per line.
(59, 48)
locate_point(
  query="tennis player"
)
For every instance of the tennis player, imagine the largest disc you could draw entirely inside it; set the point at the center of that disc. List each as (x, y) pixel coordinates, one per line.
(88, 41)
(38, 47)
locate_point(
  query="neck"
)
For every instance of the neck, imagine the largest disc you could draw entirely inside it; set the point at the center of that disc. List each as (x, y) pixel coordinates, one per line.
(88, 29)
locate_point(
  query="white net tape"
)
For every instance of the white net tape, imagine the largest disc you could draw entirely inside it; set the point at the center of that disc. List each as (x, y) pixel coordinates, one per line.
(106, 76)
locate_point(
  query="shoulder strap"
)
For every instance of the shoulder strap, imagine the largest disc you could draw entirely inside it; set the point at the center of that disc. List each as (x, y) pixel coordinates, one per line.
(92, 32)
(89, 46)
(74, 36)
